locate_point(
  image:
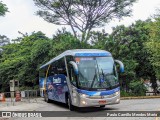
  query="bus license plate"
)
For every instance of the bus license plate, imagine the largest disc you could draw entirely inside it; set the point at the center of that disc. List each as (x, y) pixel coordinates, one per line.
(102, 102)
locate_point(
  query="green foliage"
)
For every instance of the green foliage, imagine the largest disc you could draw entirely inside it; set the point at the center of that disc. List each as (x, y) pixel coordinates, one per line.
(21, 60)
(126, 94)
(4, 40)
(127, 45)
(3, 9)
(138, 88)
(64, 40)
(153, 46)
(137, 46)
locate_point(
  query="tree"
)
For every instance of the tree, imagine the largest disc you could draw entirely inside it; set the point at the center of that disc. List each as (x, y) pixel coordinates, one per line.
(153, 46)
(3, 9)
(4, 40)
(21, 60)
(64, 40)
(83, 15)
(138, 88)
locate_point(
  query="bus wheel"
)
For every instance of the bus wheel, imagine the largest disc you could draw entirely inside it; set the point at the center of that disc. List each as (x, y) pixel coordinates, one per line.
(71, 107)
(102, 106)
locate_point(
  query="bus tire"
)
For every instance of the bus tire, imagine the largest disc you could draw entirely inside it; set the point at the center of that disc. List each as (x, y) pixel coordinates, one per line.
(102, 106)
(70, 106)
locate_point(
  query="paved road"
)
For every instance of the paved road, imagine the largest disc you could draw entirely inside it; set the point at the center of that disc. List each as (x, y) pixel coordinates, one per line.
(125, 105)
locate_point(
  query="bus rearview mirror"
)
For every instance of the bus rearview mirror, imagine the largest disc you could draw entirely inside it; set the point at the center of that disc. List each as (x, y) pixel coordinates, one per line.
(121, 65)
(75, 67)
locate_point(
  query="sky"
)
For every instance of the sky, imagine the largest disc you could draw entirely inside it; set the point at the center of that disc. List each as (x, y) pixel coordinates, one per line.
(22, 17)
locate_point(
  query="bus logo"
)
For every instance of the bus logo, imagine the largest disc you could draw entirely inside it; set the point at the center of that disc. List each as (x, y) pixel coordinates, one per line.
(57, 80)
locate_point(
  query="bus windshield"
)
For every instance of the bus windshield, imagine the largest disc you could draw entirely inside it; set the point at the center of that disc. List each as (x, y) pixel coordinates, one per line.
(97, 72)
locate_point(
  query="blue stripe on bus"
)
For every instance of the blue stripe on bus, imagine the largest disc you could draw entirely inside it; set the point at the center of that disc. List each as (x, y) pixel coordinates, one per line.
(92, 54)
(101, 93)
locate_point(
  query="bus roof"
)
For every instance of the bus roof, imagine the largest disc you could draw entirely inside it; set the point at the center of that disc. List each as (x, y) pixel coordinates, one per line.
(80, 53)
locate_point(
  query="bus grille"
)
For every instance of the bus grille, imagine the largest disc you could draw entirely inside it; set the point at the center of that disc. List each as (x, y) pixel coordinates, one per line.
(101, 97)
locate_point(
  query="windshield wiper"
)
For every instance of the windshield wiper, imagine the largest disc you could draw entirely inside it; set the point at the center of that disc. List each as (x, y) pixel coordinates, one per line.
(101, 78)
(93, 79)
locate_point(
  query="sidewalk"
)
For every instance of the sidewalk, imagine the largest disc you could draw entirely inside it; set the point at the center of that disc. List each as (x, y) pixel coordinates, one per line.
(140, 97)
(22, 105)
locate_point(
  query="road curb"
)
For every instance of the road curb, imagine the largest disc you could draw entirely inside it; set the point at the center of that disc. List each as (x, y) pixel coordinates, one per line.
(140, 97)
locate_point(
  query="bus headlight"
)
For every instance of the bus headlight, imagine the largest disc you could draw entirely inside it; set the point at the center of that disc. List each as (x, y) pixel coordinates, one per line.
(84, 102)
(116, 93)
(84, 95)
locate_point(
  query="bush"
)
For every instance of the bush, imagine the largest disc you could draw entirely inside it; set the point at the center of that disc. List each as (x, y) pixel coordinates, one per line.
(137, 87)
(126, 94)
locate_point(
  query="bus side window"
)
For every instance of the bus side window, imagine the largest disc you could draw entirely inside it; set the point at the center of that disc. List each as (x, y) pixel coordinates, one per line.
(61, 67)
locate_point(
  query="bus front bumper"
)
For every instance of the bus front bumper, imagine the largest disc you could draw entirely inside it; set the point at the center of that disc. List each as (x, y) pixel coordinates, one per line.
(87, 102)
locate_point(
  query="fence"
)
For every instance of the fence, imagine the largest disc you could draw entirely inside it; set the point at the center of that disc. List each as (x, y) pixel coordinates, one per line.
(18, 97)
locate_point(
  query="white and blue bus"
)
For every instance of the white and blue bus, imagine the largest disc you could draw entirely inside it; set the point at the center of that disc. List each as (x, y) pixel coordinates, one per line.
(82, 78)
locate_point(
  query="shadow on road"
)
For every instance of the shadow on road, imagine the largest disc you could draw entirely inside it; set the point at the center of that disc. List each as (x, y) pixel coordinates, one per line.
(94, 109)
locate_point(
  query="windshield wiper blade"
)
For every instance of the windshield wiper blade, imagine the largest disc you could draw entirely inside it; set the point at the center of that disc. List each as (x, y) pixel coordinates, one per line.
(101, 78)
(93, 79)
